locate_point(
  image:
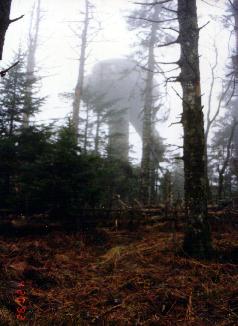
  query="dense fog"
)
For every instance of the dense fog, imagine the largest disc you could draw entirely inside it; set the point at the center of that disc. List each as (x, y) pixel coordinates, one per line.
(59, 51)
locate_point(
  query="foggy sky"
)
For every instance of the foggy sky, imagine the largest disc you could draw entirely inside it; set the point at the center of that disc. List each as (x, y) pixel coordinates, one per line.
(59, 52)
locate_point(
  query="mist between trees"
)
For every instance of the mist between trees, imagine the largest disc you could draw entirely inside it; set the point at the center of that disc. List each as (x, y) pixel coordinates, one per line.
(85, 160)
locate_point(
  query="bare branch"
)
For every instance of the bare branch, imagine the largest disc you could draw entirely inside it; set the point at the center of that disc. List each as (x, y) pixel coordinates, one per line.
(15, 19)
(220, 102)
(171, 10)
(169, 63)
(169, 43)
(204, 25)
(172, 79)
(152, 20)
(211, 121)
(181, 98)
(3, 72)
(146, 69)
(152, 3)
(170, 28)
(167, 71)
(233, 6)
(176, 123)
(211, 91)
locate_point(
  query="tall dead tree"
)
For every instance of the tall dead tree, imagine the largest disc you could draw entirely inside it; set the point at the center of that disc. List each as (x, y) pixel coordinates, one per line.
(145, 21)
(80, 80)
(146, 162)
(5, 21)
(33, 38)
(197, 241)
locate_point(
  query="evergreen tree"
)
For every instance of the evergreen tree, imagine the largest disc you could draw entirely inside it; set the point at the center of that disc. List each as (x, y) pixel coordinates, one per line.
(14, 94)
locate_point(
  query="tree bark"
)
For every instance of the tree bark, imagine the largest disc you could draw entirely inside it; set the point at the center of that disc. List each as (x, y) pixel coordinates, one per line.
(80, 81)
(5, 8)
(197, 240)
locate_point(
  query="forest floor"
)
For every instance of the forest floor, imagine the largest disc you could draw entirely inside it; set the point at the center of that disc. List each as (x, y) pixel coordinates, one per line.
(118, 278)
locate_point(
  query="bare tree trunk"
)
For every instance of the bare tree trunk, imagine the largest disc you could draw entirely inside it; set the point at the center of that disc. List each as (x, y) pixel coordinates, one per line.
(197, 241)
(5, 8)
(146, 162)
(80, 81)
(5, 21)
(226, 161)
(31, 56)
(86, 130)
(234, 8)
(96, 141)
